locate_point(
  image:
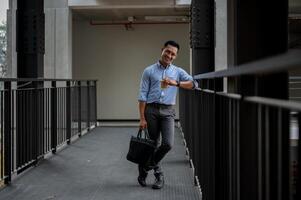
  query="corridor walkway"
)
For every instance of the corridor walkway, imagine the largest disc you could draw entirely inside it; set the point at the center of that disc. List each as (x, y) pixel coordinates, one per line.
(95, 168)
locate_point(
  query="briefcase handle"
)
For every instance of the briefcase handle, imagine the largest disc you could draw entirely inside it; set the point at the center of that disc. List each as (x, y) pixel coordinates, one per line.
(146, 135)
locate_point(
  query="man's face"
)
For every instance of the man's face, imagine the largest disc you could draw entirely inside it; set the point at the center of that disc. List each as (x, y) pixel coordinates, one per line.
(169, 53)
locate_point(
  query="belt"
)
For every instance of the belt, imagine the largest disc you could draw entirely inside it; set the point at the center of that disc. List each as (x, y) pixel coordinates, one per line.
(159, 105)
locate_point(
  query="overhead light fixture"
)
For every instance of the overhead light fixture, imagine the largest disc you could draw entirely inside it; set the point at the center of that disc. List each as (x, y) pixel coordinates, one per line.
(167, 18)
(183, 2)
(131, 18)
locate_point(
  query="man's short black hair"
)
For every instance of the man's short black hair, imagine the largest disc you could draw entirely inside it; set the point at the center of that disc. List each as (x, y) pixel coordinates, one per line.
(172, 43)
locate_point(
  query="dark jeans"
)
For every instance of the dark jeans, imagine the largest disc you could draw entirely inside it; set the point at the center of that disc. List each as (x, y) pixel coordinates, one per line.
(160, 120)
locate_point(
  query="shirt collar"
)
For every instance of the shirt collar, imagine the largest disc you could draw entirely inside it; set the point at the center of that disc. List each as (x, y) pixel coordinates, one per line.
(162, 67)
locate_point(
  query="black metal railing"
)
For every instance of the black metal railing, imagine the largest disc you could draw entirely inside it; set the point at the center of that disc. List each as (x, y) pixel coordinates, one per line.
(37, 116)
(243, 147)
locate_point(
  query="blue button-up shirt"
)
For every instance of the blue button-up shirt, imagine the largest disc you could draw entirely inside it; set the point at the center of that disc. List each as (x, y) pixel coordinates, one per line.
(150, 90)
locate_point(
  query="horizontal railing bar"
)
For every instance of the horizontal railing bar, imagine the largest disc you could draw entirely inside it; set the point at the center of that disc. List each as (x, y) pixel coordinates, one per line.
(40, 88)
(230, 95)
(294, 77)
(261, 100)
(42, 79)
(290, 105)
(281, 62)
(207, 91)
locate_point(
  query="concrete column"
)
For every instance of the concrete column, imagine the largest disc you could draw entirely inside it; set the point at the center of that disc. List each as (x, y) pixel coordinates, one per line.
(11, 40)
(221, 61)
(202, 36)
(58, 40)
(30, 38)
(221, 38)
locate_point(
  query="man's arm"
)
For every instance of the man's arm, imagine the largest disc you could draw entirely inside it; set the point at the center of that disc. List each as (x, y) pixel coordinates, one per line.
(185, 81)
(142, 123)
(186, 85)
(181, 84)
(143, 92)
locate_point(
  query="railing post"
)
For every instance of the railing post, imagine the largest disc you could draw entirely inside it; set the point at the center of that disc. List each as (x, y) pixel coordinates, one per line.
(53, 117)
(88, 105)
(218, 131)
(298, 184)
(38, 123)
(68, 111)
(7, 133)
(95, 101)
(79, 110)
(195, 117)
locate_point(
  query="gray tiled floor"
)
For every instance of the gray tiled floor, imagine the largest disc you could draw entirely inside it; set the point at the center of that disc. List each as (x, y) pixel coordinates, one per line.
(95, 168)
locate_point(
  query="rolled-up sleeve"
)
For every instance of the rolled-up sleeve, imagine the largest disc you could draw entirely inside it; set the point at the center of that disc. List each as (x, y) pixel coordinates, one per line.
(144, 86)
(184, 76)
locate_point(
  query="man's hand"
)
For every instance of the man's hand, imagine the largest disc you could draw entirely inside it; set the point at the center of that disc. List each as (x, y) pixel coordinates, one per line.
(142, 124)
(169, 81)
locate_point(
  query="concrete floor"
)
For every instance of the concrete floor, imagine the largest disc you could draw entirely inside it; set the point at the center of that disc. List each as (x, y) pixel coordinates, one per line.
(95, 168)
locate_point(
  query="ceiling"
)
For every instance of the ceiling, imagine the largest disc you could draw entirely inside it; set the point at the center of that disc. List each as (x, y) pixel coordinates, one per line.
(123, 13)
(115, 14)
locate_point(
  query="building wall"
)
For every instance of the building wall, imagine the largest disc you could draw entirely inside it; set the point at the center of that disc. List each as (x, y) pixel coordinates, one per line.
(116, 58)
(294, 6)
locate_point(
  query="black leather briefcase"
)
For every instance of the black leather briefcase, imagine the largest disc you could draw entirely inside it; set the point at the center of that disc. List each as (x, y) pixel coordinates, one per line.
(141, 148)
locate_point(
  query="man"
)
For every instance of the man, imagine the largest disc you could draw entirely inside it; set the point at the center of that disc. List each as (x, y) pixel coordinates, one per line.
(157, 97)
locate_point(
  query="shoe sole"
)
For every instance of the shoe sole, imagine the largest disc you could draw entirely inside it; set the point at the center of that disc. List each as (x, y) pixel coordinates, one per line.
(156, 188)
(140, 183)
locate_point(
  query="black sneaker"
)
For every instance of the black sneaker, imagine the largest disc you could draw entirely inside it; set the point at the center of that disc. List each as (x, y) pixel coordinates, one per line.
(141, 181)
(142, 176)
(159, 182)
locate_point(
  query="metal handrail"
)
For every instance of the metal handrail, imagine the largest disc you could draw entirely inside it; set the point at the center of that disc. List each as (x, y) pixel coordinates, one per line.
(43, 79)
(284, 62)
